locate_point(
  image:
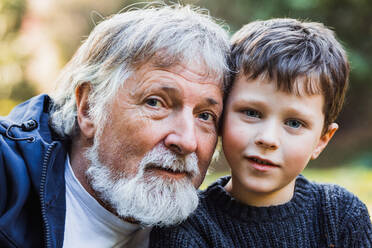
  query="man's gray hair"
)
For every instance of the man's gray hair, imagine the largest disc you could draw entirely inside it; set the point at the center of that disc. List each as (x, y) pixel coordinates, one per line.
(165, 35)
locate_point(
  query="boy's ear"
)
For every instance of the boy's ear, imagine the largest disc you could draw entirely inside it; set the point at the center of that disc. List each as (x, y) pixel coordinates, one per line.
(86, 124)
(324, 139)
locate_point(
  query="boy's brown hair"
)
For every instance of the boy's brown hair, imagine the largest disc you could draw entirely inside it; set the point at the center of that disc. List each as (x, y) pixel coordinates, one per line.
(286, 50)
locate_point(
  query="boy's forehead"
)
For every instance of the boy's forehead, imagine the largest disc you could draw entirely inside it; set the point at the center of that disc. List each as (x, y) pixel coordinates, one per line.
(263, 92)
(302, 85)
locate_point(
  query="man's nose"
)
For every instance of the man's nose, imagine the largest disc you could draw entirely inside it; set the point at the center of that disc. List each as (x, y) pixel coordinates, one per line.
(182, 138)
(268, 136)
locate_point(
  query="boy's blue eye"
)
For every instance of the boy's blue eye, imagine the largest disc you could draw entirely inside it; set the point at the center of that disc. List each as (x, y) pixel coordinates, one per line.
(252, 113)
(294, 123)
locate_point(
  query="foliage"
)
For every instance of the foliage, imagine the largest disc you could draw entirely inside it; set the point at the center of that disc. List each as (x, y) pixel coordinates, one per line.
(6, 105)
(69, 22)
(22, 91)
(13, 83)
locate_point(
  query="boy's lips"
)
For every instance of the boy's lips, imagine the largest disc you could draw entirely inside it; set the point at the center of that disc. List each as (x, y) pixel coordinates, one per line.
(261, 164)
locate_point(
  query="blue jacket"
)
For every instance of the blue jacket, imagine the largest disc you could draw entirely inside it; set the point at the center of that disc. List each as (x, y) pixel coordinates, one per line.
(32, 184)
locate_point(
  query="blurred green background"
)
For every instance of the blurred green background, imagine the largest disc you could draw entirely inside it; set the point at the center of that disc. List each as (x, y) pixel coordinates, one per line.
(37, 37)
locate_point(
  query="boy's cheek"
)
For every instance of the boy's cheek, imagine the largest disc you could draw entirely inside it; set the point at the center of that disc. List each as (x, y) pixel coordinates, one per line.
(234, 139)
(299, 158)
(232, 146)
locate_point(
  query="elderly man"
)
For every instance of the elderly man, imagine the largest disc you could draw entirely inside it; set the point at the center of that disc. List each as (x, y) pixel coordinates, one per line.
(124, 141)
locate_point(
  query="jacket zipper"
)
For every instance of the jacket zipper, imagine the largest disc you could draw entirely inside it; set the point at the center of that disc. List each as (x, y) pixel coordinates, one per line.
(42, 195)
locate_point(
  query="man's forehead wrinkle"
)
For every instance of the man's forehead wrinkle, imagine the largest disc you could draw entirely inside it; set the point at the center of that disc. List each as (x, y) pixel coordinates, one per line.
(192, 75)
(157, 85)
(191, 72)
(141, 82)
(162, 76)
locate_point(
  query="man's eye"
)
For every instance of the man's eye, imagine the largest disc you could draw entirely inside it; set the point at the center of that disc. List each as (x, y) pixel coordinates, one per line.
(294, 123)
(153, 102)
(205, 116)
(252, 113)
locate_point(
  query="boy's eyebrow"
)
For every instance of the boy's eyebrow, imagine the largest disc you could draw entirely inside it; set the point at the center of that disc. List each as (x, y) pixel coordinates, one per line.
(253, 102)
(308, 116)
(292, 110)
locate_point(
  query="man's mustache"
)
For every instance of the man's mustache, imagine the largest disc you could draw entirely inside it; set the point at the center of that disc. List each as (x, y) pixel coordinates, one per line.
(162, 158)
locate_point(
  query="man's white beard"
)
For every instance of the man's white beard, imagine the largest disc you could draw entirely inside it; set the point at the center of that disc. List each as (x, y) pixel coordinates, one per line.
(149, 199)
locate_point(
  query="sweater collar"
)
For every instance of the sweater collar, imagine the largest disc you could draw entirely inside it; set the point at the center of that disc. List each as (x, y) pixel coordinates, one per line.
(299, 202)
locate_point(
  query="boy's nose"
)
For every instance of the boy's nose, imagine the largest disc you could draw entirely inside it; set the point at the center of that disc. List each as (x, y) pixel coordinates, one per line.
(266, 144)
(267, 137)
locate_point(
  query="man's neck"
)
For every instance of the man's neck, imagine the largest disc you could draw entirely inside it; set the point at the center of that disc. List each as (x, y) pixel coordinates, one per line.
(79, 162)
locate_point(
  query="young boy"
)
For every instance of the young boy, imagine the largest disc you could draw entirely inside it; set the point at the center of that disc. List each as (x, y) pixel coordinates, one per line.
(290, 82)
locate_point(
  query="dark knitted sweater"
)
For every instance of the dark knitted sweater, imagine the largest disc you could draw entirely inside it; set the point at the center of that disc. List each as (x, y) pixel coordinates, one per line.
(318, 215)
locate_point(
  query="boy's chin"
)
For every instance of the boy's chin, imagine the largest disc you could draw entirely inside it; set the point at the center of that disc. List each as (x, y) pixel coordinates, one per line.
(264, 194)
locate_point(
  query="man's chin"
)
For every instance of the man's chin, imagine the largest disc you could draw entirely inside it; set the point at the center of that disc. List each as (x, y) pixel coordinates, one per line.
(161, 202)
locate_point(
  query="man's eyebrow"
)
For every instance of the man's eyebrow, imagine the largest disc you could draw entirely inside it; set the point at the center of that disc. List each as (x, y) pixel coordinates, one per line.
(170, 90)
(211, 101)
(173, 91)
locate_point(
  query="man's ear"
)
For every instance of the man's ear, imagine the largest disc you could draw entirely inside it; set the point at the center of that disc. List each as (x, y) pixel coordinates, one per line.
(323, 141)
(86, 124)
